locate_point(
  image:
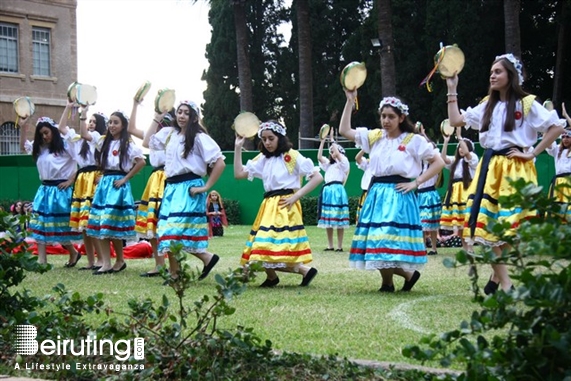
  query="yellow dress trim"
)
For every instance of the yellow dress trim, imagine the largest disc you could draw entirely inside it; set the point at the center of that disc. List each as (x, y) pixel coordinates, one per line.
(526, 102)
(375, 135)
(290, 164)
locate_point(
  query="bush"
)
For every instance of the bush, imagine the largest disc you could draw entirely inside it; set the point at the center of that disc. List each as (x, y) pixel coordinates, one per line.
(523, 334)
(232, 208)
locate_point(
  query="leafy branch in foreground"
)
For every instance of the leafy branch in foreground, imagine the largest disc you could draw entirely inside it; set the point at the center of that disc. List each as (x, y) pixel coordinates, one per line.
(523, 334)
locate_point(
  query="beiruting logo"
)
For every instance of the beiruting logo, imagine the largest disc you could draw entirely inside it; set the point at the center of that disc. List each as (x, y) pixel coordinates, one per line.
(26, 344)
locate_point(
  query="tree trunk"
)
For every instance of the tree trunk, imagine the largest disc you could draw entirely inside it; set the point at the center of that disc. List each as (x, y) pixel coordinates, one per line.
(512, 9)
(560, 72)
(388, 73)
(243, 61)
(305, 75)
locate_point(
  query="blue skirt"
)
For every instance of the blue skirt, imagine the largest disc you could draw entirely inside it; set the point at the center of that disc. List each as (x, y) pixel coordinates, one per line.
(182, 218)
(430, 210)
(334, 207)
(49, 222)
(112, 213)
(388, 234)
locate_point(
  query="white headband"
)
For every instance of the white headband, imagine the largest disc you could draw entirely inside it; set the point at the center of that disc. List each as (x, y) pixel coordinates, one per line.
(517, 64)
(277, 128)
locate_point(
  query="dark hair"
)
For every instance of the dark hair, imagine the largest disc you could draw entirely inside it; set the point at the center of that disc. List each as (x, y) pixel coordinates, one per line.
(193, 128)
(101, 127)
(284, 144)
(123, 145)
(562, 147)
(513, 94)
(56, 145)
(466, 176)
(406, 125)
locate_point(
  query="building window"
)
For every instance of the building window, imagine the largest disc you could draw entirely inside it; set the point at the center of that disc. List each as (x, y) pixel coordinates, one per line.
(8, 48)
(9, 139)
(41, 41)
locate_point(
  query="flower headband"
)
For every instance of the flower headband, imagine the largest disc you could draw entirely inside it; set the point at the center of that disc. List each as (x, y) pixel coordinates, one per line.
(190, 104)
(517, 64)
(277, 128)
(123, 114)
(339, 148)
(394, 102)
(50, 121)
(566, 133)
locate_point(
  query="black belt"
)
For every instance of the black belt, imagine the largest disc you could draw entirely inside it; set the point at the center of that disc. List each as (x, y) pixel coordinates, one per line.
(553, 182)
(477, 201)
(392, 179)
(111, 172)
(278, 192)
(52, 183)
(449, 194)
(427, 189)
(182, 178)
(88, 168)
(160, 168)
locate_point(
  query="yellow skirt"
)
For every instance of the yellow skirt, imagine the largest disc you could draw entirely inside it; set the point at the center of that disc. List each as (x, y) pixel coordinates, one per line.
(561, 193)
(83, 191)
(148, 209)
(501, 169)
(278, 237)
(454, 213)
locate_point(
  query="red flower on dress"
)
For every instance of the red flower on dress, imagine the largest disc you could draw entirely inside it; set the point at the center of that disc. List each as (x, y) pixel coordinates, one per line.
(287, 158)
(401, 148)
(517, 115)
(115, 152)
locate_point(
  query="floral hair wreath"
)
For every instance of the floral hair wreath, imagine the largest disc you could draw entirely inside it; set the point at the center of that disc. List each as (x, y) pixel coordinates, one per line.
(48, 120)
(339, 148)
(517, 64)
(190, 104)
(277, 128)
(566, 133)
(122, 113)
(394, 102)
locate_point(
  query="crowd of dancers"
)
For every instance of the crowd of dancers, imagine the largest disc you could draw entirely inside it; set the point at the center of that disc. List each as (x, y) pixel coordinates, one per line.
(85, 192)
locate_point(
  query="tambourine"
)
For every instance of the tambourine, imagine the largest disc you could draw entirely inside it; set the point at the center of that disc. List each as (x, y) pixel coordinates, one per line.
(143, 90)
(548, 105)
(164, 101)
(449, 60)
(24, 107)
(418, 127)
(85, 94)
(246, 124)
(72, 92)
(324, 131)
(353, 75)
(446, 129)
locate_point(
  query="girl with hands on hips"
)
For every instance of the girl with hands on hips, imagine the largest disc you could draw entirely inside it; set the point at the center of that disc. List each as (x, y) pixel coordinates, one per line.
(278, 238)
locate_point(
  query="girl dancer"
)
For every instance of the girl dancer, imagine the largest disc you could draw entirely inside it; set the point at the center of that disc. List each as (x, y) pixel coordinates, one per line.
(389, 235)
(54, 158)
(333, 206)
(561, 184)
(508, 120)
(112, 214)
(278, 238)
(190, 154)
(363, 164)
(86, 179)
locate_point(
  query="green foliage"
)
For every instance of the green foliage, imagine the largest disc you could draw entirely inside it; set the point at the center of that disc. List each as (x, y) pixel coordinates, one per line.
(232, 208)
(523, 334)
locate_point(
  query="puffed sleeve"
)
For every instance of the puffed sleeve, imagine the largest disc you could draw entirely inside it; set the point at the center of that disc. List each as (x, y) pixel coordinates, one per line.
(540, 118)
(29, 146)
(254, 167)
(452, 160)
(420, 149)
(208, 149)
(473, 116)
(553, 149)
(362, 139)
(344, 165)
(159, 139)
(363, 165)
(135, 152)
(324, 166)
(305, 167)
(473, 162)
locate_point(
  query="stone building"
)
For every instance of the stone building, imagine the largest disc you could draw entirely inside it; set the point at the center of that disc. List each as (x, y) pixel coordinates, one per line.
(38, 59)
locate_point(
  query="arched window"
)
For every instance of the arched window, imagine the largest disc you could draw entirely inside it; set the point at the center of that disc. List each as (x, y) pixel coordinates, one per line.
(9, 139)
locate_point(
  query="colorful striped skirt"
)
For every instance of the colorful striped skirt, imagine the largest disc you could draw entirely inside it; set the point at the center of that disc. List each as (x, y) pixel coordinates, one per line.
(430, 208)
(454, 207)
(83, 192)
(148, 209)
(333, 206)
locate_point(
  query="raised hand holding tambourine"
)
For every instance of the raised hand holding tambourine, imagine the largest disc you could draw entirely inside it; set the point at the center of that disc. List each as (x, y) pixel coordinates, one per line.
(448, 61)
(246, 124)
(353, 76)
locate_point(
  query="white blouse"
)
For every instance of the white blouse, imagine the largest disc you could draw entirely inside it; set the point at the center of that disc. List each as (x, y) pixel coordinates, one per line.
(76, 142)
(54, 166)
(204, 154)
(367, 175)
(562, 163)
(114, 155)
(387, 158)
(524, 135)
(274, 173)
(431, 181)
(337, 171)
(157, 158)
(472, 165)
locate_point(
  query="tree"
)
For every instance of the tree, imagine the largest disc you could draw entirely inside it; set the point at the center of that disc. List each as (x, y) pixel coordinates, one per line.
(305, 73)
(388, 73)
(512, 10)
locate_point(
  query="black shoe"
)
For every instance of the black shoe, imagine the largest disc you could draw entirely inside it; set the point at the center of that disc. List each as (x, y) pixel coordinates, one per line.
(150, 274)
(121, 268)
(491, 287)
(72, 264)
(110, 271)
(328, 249)
(308, 277)
(269, 283)
(213, 261)
(92, 268)
(339, 250)
(409, 284)
(432, 252)
(387, 288)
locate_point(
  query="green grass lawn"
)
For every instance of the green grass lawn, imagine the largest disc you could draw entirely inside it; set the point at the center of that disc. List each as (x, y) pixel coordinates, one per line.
(340, 312)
